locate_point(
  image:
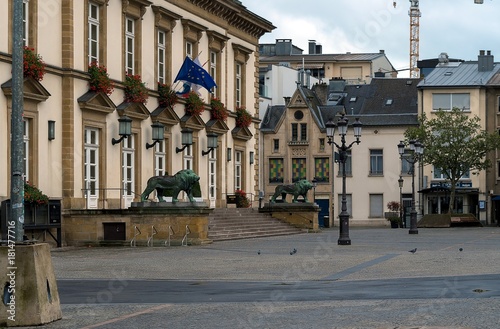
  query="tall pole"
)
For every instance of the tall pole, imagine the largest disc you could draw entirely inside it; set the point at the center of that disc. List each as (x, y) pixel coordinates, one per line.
(417, 150)
(17, 149)
(413, 213)
(343, 148)
(344, 238)
(400, 182)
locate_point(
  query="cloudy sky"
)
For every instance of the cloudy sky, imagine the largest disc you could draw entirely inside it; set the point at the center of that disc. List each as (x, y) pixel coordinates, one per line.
(457, 27)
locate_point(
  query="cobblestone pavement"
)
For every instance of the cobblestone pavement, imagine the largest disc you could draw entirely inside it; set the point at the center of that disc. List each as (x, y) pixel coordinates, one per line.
(375, 254)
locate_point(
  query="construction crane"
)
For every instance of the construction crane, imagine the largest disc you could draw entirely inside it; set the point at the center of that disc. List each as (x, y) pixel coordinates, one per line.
(414, 14)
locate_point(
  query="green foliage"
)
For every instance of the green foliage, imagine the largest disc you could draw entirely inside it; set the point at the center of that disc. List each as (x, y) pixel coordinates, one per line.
(241, 199)
(167, 96)
(243, 117)
(33, 195)
(194, 104)
(454, 142)
(218, 110)
(33, 65)
(99, 79)
(135, 89)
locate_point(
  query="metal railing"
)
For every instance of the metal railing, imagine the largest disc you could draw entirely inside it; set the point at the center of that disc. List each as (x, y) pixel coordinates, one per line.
(170, 233)
(134, 240)
(185, 238)
(150, 242)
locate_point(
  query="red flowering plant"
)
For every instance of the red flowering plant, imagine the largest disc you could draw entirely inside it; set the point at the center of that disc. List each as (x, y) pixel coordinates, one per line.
(194, 104)
(33, 195)
(241, 199)
(167, 96)
(33, 65)
(135, 89)
(218, 110)
(99, 79)
(243, 117)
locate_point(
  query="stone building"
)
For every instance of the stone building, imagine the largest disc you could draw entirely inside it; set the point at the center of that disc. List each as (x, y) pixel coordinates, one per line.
(295, 146)
(474, 87)
(68, 129)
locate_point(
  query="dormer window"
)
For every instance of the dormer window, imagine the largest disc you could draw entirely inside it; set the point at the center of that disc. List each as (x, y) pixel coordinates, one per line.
(353, 99)
(388, 102)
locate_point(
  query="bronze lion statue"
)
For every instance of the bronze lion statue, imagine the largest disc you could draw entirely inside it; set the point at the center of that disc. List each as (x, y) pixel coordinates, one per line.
(297, 189)
(183, 180)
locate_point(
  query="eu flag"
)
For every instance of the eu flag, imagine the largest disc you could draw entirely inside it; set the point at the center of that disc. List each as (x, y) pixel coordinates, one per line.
(194, 73)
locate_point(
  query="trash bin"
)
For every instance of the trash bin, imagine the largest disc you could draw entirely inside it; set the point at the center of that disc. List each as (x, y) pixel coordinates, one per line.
(326, 221)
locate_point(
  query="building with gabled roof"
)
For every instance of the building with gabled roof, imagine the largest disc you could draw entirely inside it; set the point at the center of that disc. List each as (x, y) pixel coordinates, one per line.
(294, 145)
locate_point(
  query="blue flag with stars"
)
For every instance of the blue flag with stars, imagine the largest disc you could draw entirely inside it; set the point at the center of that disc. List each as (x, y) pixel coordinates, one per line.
(194, 73)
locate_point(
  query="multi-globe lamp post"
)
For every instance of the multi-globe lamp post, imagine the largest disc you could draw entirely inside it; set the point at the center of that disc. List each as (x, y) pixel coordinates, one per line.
(342, 125)
(415, 154)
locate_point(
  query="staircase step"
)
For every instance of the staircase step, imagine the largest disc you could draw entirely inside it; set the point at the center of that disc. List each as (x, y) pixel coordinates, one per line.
(245, 223)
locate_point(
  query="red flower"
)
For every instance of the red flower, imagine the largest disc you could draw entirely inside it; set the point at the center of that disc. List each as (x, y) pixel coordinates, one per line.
(167, 96)
(194, 104)
(33, 65)
(135, 89)
(243, 117)
(99, 79)
(217, 110)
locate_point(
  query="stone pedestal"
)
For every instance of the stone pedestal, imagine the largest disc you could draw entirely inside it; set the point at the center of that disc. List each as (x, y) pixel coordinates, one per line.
(165, 219)
(301, 214)
(29, 284)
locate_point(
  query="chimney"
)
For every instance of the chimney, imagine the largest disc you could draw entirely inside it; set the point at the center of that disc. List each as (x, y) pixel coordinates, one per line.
(485, 62)
(312, 47)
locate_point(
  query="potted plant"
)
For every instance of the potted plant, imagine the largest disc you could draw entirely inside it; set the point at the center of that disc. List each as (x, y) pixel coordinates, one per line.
(194, 104)
(218, 110)
(33, 65)
(241, 199)
(393, 214)
(35, 205)
(167, 96)
(32, 194)
(99, 79)
(135, 89)
(243, 117)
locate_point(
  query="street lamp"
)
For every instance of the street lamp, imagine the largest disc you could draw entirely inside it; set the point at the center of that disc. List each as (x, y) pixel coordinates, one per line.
(315, 184)
(343, 148)
(400, 182)
(416, 151)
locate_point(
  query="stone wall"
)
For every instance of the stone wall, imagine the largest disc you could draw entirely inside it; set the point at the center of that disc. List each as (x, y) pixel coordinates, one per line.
(86, 227)
(302, 215)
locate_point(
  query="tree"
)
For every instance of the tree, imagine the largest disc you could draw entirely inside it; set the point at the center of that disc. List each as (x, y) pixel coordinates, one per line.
(454, 142)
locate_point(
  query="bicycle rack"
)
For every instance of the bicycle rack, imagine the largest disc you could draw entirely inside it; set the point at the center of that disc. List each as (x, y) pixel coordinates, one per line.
(137, 232)
(150, 239)
(184, 239)
(170, 233)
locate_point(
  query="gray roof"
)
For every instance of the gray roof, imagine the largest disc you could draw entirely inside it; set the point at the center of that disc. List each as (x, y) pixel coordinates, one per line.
(272, 118)
(464, 75)
(367, 102)
(322, 57)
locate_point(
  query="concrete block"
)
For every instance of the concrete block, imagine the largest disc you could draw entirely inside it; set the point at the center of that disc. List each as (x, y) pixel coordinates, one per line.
(32, 284)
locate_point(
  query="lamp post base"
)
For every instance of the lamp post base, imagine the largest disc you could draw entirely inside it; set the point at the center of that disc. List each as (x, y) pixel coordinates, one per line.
(344, 242)
(344, 239)
(413, 231)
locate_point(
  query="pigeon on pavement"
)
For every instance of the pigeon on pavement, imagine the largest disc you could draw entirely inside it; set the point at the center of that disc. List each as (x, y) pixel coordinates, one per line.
(413, 250)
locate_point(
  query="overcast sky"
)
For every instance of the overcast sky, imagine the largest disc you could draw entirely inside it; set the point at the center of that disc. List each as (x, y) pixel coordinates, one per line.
(457, 27)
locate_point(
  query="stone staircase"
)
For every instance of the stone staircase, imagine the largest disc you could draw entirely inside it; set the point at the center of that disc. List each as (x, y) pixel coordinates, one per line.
(244, 223)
